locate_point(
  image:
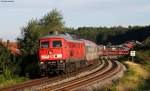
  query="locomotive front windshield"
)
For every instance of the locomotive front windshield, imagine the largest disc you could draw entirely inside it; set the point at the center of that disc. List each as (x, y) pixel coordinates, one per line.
(45, 44)
(57, 43)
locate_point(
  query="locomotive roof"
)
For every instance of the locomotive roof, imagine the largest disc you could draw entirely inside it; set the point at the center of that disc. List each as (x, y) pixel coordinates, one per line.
(66, 36)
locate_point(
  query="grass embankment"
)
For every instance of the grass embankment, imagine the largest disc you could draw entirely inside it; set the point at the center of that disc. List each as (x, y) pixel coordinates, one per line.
(136, 77)
(6, 82)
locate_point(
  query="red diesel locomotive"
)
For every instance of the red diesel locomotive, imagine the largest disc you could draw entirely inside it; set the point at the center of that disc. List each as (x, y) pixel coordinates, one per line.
(63, 53)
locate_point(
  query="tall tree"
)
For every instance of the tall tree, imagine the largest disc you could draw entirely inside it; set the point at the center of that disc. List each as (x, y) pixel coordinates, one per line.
(35, 29)
(29, 41)
(52, 21)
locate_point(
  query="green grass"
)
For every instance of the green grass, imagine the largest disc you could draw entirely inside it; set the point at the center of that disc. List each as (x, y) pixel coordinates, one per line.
(136, 77)
(5, 82)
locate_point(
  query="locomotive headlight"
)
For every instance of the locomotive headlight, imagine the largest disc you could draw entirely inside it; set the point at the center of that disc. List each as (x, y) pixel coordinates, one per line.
(61, 61)
(41, 62)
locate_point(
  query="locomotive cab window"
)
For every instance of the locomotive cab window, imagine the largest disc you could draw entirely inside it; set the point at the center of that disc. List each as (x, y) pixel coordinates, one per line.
(57, 43)
(44, 44)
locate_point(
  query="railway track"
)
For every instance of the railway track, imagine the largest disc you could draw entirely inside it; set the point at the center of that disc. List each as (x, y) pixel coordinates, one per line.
(29, 85)
(110, 69)
(76, 80)
(81, 74)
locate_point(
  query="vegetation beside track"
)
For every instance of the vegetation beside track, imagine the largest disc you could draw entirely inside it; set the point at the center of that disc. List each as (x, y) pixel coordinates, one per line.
(9, 68)
(9, 81)
(136, 77)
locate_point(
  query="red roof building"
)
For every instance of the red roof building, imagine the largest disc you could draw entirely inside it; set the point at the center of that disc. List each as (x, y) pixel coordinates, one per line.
(13, 47)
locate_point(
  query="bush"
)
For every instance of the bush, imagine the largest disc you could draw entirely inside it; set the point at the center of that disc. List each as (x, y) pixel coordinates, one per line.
(149, 54)
(123, 58)
(138, 59)
(7, 73)
(32, 70)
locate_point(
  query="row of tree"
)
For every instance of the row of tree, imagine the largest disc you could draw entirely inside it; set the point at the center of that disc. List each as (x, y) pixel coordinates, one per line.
(114, 35)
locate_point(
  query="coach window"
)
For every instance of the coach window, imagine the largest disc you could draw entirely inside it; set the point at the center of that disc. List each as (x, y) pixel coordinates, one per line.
(57, 43)
(45, 44)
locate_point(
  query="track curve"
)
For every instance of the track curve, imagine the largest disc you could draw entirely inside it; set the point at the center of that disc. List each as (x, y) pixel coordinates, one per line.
(110, 68)
(104, 70)
(29, 85)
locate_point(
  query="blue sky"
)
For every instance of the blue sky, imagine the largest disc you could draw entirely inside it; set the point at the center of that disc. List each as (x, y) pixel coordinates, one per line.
(76, 13)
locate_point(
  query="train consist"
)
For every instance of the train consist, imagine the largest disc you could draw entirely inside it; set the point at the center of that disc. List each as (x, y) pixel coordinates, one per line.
(64, 53)
(115, 50)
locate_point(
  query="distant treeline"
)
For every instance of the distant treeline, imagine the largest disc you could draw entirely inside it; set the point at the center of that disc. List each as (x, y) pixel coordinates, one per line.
(113, 35)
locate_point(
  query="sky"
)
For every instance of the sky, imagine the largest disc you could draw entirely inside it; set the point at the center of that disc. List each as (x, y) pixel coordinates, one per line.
(76, 13)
